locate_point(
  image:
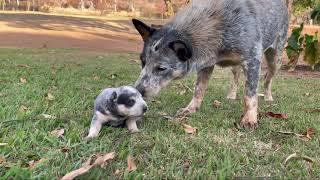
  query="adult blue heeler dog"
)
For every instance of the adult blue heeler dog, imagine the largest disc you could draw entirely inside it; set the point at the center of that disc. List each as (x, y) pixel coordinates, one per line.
(233, 33)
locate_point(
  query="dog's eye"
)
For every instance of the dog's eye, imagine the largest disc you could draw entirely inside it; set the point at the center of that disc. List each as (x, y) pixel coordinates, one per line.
(131, 102)
(160, 68)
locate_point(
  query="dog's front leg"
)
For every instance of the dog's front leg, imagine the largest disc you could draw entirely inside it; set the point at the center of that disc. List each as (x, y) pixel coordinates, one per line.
(251, 72)
(131, 124)
(199, 92)
(95, 127)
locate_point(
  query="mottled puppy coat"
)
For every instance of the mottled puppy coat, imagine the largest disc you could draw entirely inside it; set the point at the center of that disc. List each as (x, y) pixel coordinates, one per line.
(117, 107)
(232, 33)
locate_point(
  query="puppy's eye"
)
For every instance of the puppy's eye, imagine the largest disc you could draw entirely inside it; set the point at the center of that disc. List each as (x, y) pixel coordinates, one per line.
(131, 102)
(161, 68)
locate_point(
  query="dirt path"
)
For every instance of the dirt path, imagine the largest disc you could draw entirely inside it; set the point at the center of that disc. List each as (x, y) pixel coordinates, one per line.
(25, 30)
(38, 30)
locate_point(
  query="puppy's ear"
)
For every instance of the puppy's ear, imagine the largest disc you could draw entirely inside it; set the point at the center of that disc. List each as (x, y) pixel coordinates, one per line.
(182, 50)
(144, 30)
(113, 97)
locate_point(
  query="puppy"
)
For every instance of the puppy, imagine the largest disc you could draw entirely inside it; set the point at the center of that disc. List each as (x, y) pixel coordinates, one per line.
(117, 107)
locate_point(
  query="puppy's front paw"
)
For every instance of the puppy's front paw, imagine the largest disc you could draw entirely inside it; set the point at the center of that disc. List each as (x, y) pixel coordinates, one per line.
(134, 130)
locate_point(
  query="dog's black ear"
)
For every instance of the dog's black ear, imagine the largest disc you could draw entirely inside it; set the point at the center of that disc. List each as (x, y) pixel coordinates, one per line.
(182, 50)
(144, 30)
(113, 97)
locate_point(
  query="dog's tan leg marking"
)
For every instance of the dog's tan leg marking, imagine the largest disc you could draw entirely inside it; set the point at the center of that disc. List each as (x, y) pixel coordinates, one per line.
(249, 120)
(199, 92)
(232, 94)
(270, 55)
(132, 125)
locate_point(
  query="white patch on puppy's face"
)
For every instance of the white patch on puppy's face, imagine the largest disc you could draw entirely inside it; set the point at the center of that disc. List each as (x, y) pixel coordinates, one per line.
(130, 102)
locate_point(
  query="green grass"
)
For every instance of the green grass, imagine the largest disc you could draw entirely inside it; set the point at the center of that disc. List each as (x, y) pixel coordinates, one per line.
(162, 149)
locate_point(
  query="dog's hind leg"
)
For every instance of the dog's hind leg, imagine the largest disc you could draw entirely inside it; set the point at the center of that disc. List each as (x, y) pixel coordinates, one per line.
(273, 56)
(232, 94)
(199, 92)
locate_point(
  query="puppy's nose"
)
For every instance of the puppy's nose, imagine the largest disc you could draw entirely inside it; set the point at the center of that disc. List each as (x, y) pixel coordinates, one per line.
(145, 109)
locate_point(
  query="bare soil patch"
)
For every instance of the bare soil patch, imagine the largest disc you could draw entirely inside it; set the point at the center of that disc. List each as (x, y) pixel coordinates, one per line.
(25, 30)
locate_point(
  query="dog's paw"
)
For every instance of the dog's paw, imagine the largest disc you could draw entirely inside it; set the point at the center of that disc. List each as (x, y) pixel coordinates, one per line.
(134, 130)
(249, 122)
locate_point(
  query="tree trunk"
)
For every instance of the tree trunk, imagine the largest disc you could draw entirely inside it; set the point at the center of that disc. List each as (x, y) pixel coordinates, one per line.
(169, 8)
(28, 5)
(131, 6)
(3, 4)
(289, 5)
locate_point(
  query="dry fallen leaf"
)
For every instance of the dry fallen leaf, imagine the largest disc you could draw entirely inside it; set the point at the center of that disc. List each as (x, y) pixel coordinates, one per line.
(57, 132)
(23, 108)
(46, 116)
(23, 65)
(277, 115)
(96, 78)
(101, 161)
(117, 172)
(131, 164)
(33, 164)
(216, 103)
(113, 76)
(2, 160)
(50, 97)
(296, 156)
(189, 129)
(260, 95)
(309, 133)
(65, 149)
(23, 80)
(313, 110)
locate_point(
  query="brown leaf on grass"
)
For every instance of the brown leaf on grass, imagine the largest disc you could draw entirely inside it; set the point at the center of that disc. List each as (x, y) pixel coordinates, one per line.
(46, 116)
(277, 115)
(216, 103)
(23, 65)
(117, 172)
(307, 94)
(23, 108)
(33, 164)
(260, 95)
(113, 76)
(57, 132)
(2, 160)
(313, 110)
(1, 94)
(131, 164)
(96, 78)
(101, 160)
(298, 157)
(189, 129)
(65, 149)
(50, 97)
(309, 133)
(23, 80)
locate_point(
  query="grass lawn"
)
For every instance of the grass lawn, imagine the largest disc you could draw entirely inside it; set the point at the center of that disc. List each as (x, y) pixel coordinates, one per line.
(162, 150)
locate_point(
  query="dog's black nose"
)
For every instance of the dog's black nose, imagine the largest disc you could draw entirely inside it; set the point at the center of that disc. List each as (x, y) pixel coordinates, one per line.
(145, 109)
